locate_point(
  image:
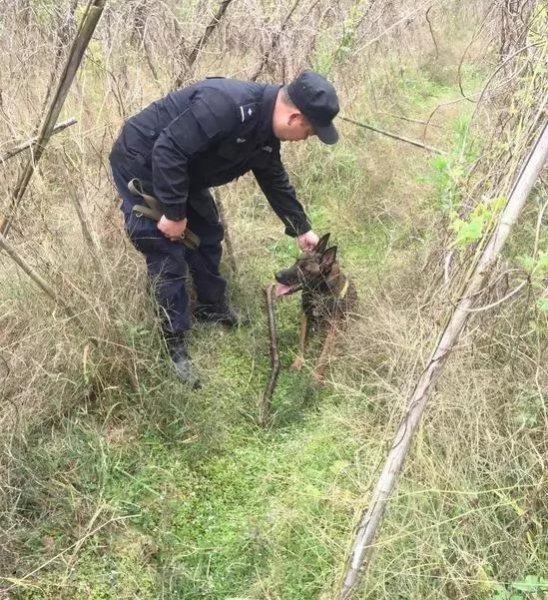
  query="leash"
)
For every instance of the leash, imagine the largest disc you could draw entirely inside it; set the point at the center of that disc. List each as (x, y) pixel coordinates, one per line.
(152, 210)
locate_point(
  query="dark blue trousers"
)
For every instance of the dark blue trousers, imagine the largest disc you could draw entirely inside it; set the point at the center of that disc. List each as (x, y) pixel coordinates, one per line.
(168, 263)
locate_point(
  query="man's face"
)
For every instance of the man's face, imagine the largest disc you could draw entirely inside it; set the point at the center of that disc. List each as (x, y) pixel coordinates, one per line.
(293, 127)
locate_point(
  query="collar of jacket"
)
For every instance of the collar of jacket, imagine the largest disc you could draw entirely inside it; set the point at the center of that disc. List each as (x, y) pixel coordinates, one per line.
(268, 101)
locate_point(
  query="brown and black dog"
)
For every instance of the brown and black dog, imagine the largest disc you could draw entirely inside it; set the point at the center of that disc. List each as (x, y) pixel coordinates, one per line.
(328, 297)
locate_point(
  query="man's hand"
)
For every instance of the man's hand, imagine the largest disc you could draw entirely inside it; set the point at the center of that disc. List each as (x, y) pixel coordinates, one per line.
(172, 229)
(308, 241)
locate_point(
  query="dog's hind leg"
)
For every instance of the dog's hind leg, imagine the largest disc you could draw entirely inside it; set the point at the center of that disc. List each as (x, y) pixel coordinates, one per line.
(326, 353)
(303, 331)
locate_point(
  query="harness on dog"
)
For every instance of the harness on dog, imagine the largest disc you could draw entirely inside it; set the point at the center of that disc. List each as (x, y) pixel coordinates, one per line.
(344, 289)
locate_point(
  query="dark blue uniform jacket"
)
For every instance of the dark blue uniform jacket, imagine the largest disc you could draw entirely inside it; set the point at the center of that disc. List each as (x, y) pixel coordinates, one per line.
(206, 135)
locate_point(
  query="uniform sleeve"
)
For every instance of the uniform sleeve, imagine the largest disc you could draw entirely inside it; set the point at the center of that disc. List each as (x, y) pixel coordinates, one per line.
(274, 182)
(210, 117)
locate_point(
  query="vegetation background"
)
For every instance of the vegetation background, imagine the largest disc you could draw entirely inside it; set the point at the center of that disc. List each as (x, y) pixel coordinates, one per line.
(119, 483)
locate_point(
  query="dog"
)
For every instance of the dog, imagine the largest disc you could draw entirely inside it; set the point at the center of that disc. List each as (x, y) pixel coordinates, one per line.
(328, 297)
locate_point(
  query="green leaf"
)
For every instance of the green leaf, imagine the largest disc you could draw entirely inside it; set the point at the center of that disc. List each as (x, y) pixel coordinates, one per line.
(499, 593)
(543, 304)
(498, 203)
(542, 263)
(471, 231)
(527, 262)
(439, 163)
(531, 583)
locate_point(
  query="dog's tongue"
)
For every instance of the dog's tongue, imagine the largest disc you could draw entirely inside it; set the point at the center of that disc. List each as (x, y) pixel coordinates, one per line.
(281, 289)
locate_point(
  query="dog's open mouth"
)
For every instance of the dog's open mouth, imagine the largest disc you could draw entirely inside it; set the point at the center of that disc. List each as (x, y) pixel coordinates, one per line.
(285, 290)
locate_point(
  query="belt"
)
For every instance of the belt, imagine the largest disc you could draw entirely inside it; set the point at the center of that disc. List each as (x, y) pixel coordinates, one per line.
(152, 210)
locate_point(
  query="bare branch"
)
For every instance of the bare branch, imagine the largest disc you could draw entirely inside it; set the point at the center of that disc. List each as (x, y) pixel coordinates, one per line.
(275, 41)
(213, 24)
(394, 136)
(427, 17)
(27, 144)
(38, 279)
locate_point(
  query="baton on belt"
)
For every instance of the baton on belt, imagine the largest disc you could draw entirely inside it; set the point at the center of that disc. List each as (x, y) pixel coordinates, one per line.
(152, 210)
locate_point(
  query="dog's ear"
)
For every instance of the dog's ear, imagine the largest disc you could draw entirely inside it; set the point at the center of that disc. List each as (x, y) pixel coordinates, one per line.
(322, 244)
(328, 259)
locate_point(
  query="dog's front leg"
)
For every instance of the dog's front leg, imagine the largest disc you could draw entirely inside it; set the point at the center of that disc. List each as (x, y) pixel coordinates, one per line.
(326, 352)
(303, 331)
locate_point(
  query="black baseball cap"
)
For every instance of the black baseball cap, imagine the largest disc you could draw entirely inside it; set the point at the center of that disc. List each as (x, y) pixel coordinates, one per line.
(316, 98)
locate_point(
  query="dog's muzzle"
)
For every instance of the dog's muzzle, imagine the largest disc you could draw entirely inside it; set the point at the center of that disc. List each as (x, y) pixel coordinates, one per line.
(284, 287)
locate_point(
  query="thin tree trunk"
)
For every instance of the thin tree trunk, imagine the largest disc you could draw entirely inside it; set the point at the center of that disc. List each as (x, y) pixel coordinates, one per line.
(360, 554)
(66, 26)
(93, 13)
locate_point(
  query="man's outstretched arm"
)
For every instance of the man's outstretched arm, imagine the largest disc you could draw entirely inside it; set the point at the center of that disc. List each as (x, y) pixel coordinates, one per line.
(274, 183)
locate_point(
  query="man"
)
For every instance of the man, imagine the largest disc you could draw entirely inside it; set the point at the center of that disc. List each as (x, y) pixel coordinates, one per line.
(202, 136)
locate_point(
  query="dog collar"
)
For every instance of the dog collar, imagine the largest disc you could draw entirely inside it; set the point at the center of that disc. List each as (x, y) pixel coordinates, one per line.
(342, 293)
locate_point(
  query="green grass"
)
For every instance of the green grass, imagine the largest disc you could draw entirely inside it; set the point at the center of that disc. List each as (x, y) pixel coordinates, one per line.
(192, 524)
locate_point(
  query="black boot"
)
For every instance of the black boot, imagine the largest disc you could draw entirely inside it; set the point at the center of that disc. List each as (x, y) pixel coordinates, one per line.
(219, 312)
(181, 360)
